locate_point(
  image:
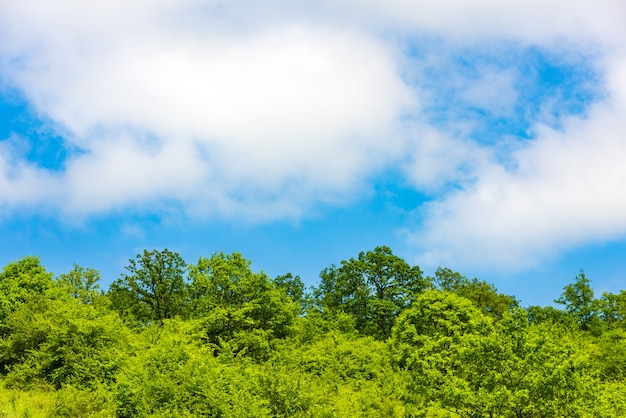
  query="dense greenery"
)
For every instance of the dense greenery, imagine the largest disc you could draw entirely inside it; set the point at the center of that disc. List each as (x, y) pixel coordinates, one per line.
(375, 338)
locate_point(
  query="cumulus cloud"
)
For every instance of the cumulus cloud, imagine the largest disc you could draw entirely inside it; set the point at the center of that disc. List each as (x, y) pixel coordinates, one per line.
(565, 190)
(264, 110)
(160, 110)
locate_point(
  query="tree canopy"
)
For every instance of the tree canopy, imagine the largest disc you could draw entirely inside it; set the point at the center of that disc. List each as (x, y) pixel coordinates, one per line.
(153, 289)
(373, 288)
(374, 338)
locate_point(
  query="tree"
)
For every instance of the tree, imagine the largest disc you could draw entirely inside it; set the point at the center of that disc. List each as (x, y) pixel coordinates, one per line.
(59, 332)
(612, 309)
(154, 289)
(428, 340)
(550, 314)
(434, 326)
(63, 341)
(332, 293)
(81, 283)
(610, 355)
(240, 309)
(465, 362)
(294, 288)
(483, 294)
(374, 289)
(174, 375)
(526, 369)
(20, 281)
(580, 303)
(337, 375)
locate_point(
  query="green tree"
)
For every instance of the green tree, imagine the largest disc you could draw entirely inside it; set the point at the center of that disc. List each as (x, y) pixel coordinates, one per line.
(612, 309)
(333, 293)
(472, 366)
(294, 288)
(154, 289)
(483, 294)
(374, 289)
(550, 314)
(241, 310)
(20, 281)
(428, 340)
(578, 299)
(526, 369)
(175, 375)
(82, 284)
(334, 375)
(433, 325)
(62, 341)
(610, 355)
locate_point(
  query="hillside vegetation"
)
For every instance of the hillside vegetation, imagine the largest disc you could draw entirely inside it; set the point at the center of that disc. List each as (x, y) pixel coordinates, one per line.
(375, 338)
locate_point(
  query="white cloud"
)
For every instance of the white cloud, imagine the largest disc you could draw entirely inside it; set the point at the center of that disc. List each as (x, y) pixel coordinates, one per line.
(566, 190)
(436, 159)
(264, 109)
(236, 116)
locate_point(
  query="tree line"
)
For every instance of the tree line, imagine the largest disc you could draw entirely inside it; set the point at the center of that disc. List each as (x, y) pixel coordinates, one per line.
(374, 337)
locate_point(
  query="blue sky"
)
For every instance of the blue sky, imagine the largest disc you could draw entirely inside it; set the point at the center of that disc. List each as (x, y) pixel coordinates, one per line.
(485, 137)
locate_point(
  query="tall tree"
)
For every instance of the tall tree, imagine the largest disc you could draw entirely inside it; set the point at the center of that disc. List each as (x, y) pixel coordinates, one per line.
(466, 362)
(21, 281)
(294, 288)
(483, 294)
(579, 301)
(154, 289)
(612, 307)
(374, 288)
(241, 310)
(81, 283)
(62, 341)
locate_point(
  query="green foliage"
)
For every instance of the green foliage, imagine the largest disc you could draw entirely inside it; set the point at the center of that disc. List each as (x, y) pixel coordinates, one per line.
(154, 289)
(335, 375)
(314, 326)
(21, 281)
(242, 311)
(528, 370)
(550, 314)
(376, 340)
(612, 309)
(483, 294)
(62, 341)
(33, 403)
(374, 289)
(174, 375)
(611, 400)
(294, 288)
(72, 402)
(510, 368)
(429, 334)
(579, 302)
(610, 355)
(82, 284)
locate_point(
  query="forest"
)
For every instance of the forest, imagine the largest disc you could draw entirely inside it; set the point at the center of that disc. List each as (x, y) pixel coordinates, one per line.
(375, 337)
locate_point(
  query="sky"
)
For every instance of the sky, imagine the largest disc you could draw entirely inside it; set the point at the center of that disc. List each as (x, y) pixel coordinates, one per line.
(484, 136)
